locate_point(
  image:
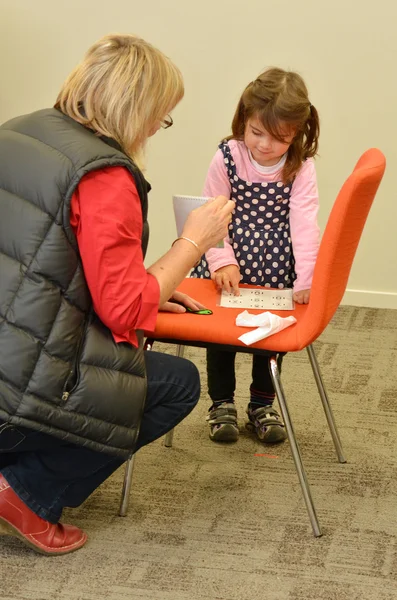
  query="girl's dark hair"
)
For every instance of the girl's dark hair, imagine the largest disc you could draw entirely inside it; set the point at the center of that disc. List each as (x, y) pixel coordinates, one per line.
(279, 99)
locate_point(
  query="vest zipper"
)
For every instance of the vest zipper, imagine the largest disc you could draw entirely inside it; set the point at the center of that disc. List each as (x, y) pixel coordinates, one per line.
(74, 374)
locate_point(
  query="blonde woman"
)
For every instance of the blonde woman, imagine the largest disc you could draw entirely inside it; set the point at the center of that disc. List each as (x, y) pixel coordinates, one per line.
(75, 296)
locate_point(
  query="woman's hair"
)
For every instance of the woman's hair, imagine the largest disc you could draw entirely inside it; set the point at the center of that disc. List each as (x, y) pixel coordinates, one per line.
(122, 89)
(279, 100)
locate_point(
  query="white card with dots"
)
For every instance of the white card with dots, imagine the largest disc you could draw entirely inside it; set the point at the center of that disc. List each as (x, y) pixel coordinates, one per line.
(262, 298)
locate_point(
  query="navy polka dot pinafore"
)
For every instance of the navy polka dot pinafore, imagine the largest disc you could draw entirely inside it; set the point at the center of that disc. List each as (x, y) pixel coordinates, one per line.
(259, 231)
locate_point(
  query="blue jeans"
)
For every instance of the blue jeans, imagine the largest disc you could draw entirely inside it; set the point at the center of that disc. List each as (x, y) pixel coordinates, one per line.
(49, 474)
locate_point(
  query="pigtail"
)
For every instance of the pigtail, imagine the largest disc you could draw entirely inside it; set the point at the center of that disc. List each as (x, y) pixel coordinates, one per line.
(304, 146)
(311, 134)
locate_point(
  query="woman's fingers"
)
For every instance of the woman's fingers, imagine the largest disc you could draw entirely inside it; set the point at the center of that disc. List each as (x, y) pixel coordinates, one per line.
(208, 224)
(172, 307)
(187, 301)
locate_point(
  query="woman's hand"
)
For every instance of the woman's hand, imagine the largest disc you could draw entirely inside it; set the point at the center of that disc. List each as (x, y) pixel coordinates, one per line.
(302, 297)
(227, 278)
(205, 226)
(208, 224)
(176, 301)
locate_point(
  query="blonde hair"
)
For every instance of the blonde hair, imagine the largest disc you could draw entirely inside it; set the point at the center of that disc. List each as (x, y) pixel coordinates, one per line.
(278, 98)
(122, 89)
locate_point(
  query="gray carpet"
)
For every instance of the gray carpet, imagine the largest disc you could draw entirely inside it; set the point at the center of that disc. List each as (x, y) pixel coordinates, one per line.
(212, 522)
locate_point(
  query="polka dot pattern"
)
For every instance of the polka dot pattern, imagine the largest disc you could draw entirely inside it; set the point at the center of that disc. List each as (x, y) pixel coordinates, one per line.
(259, 232)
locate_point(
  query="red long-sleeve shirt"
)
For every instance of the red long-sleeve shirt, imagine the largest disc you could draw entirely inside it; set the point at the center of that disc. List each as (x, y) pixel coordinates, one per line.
(106, 218)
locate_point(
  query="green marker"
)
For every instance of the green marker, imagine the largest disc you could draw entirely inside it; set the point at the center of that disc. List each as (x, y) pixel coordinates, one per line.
(203, 311)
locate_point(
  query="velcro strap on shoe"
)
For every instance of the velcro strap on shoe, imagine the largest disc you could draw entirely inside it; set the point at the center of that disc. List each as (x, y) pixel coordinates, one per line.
(222, 415)
(261, 415)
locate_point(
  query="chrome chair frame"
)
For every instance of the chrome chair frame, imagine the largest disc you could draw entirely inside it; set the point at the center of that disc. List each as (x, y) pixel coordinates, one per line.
(296, 455)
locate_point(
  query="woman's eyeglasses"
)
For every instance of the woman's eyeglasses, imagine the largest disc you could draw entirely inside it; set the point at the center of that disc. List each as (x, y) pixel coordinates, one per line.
(167, 122)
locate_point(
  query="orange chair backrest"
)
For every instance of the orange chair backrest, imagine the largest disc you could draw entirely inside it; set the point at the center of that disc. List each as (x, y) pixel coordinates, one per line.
(339, 242)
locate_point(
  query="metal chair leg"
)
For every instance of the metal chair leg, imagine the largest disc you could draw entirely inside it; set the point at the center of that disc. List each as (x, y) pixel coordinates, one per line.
(170, 435)
(180, 351)
(125, 494)
(129, 467)
(274, 371)
(325, 402)
(169, 438)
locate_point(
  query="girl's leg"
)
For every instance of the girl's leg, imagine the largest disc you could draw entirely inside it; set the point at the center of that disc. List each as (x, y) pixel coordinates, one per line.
(221, 375)
(222, 417)
(263, 418)
(261, 390)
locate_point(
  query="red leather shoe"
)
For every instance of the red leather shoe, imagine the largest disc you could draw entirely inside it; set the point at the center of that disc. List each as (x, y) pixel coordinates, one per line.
(18, 520)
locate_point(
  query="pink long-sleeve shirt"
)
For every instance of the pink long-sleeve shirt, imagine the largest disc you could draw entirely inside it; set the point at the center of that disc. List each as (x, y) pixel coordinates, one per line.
(305, 233)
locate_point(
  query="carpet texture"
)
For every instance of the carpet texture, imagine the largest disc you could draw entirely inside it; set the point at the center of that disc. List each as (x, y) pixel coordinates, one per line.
(213, 522)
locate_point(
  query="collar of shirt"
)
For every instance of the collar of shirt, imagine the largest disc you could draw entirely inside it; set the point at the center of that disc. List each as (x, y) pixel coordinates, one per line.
(268, 170)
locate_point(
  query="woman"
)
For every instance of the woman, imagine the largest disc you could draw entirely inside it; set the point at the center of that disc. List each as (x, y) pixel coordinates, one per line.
(75, 296)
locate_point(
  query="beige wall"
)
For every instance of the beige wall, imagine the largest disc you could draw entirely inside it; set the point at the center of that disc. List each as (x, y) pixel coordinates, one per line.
(345, 49)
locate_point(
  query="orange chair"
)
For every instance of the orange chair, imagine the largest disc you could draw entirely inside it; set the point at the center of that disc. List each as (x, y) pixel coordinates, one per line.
(335, 258)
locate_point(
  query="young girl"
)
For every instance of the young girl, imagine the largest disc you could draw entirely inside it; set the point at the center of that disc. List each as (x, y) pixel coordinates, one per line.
(266, 166)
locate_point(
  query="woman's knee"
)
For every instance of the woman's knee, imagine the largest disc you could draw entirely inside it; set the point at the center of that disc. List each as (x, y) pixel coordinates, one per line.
(171, 379)
(190, 379)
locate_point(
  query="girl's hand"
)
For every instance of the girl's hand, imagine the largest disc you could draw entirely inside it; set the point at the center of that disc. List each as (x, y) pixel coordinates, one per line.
(302, 297)
(227, 278)
(177, 303)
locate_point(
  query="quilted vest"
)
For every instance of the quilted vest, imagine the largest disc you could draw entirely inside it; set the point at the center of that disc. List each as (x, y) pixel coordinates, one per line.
(61, 373)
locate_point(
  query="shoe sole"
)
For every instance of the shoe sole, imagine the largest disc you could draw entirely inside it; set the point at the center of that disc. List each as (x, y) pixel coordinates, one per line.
(7, 529)
(274, 435)
(225, 433)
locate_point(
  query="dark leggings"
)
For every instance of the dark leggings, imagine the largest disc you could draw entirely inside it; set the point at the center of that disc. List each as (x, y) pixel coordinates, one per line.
(222, 377)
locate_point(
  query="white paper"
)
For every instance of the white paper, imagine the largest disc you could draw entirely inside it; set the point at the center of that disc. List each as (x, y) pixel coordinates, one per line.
(266, 324)
(259, 298)
(183, 206)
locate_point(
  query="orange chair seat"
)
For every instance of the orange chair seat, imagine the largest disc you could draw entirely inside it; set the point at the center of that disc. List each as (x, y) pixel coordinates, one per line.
(220, 328)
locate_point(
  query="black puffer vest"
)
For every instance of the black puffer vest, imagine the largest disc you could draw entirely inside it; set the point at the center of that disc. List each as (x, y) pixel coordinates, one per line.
(60, 370)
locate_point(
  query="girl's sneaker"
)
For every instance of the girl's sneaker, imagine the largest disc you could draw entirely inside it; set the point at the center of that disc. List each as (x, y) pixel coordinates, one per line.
(267, 424)
(223, 423)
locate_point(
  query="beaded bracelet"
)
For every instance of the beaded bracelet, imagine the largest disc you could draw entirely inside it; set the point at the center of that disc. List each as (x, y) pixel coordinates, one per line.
(192, 242)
